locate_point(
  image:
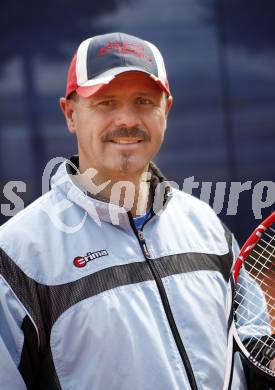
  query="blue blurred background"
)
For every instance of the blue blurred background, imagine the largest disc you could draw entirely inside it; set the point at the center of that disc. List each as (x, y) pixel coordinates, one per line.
(220, 59)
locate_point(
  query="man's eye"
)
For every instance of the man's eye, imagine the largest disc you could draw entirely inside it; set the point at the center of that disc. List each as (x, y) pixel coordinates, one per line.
(107, 103)
(142, 100)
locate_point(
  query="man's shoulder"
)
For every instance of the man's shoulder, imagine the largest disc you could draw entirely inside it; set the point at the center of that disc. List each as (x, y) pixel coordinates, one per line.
(193, 205)
(196, 212)
(25, 221)
(196, 216)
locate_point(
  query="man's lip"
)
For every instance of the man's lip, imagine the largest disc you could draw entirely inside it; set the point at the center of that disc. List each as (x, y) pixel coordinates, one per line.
(126, 141)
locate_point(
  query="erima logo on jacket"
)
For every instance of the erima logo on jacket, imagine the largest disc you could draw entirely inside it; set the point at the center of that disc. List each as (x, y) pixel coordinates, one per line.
(81, 261)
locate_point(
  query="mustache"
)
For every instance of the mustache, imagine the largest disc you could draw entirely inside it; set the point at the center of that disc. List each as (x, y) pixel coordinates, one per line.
(125, 132)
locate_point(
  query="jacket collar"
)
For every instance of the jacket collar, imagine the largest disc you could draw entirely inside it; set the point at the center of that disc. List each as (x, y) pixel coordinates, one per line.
(99, 209)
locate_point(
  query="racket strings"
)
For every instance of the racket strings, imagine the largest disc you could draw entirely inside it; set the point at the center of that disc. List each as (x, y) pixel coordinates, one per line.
(262, 256)
(257, 345)
(243, 305)
(249, 291)
(265, 265)
(245, 292)
(265, 249)
(267, 245)
(269, 276)
(261, 349)
(263, 283)
(255, 299)
(267, 283)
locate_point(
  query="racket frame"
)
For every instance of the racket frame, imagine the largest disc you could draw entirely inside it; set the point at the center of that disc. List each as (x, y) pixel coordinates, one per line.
(234, 342)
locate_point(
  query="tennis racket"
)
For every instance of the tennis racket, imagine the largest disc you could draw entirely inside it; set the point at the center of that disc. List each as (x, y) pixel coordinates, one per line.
(251, 304)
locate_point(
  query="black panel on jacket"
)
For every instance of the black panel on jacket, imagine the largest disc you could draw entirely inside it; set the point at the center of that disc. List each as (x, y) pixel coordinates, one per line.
(46, 303)
(36, 369)
(29, 364)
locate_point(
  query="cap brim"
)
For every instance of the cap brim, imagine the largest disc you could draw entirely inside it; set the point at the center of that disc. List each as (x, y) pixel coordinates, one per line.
(91, 87)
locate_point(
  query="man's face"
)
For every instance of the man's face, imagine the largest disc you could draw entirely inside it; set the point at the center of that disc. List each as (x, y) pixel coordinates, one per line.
(120, 128)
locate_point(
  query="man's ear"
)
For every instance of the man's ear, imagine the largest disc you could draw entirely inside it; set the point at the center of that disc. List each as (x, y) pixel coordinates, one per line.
(68, 107)
(169, 102)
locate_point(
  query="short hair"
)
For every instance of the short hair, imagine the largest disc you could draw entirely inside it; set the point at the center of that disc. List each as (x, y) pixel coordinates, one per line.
(73, 96)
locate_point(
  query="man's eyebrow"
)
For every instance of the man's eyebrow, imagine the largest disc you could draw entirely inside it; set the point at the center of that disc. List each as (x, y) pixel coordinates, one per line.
(145, 93)
(103, 96)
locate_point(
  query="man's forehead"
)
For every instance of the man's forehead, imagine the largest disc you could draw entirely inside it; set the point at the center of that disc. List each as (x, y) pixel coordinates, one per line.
(139, 81)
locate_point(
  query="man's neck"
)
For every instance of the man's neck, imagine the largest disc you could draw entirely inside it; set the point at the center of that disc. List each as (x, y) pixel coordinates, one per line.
(133, 193)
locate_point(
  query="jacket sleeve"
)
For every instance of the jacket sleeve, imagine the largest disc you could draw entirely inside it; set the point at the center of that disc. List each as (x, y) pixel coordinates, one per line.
(15, 361)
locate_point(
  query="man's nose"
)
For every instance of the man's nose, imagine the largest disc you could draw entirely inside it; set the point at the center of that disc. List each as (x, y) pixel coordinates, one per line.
(126, 116)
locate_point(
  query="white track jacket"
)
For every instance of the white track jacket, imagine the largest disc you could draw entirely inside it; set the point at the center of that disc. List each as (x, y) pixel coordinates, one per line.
(88, 302)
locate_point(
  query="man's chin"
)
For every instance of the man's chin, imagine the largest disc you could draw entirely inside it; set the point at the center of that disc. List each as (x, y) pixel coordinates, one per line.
(127, 169)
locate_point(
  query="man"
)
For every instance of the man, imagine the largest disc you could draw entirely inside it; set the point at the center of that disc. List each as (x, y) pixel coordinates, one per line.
(114, 279)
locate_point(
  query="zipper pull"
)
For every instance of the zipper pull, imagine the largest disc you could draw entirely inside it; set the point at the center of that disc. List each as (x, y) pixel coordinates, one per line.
(144, 247)
(143, 243)
(140, 235)
(146, 252)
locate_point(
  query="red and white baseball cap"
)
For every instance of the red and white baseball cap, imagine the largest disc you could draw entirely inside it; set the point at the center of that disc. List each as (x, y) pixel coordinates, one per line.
(101, 58)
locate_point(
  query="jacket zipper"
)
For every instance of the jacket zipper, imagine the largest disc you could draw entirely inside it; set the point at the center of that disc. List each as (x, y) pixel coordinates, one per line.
(166, 306)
